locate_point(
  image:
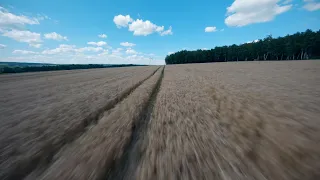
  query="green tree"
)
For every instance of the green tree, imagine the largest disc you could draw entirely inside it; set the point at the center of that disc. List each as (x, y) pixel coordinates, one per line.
(299, 46)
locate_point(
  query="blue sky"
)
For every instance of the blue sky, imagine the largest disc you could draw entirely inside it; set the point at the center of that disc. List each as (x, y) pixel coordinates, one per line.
(141, 31)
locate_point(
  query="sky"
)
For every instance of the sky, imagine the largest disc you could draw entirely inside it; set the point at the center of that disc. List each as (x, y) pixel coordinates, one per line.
(141, 31)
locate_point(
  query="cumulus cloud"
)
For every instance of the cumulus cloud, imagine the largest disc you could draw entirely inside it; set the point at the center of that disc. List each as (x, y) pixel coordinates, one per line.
(245, 12)
(55, 36)
(35, 45)
(11, 23)
(63, 48)
(143, 28)
(102, 36)
(24, 52)
(167, 32)
(2, 46)
(210, 29)
(104, 52)
(127, 44)
(90, 49)
(311, 5)
(100, 43)
(122, 21)
(140, 27)
(131, 51)
(117, 51)
(31, 38)
(9, 19)
(70, 54)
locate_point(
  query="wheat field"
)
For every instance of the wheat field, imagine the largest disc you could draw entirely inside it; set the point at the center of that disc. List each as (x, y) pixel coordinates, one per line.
(239, 120)
(45, 111)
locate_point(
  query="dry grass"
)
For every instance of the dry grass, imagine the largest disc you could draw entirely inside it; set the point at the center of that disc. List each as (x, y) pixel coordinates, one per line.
(41, 113)
(235, 121)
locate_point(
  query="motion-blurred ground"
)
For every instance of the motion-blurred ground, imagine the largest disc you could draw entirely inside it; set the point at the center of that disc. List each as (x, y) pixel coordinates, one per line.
(246, 120)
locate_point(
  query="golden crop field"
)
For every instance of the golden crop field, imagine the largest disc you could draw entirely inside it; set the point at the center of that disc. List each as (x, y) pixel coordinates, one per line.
(224, 121)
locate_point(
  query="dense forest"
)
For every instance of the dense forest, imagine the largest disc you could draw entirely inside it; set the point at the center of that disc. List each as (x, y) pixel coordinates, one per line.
(299, 46)
(18, 69)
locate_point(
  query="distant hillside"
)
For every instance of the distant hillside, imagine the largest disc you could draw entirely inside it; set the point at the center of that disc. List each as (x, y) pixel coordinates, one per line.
(23, 64)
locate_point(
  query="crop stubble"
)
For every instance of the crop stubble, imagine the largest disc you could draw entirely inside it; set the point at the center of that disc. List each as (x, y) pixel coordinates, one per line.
(94, 154)
(249, 120)
(235, 121)
(44, 112)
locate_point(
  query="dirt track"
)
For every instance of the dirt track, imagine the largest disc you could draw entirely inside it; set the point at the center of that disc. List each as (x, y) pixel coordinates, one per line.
(248, 120)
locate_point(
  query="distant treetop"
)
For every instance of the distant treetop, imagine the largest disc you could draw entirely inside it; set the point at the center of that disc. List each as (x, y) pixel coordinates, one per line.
(299, 46)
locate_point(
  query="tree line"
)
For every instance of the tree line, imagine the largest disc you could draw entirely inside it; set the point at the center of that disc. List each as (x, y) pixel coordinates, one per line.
(17, 69)
(299, 46)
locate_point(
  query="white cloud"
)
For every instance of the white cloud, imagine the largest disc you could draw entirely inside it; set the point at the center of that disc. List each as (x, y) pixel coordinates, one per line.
(245, 12)
(311, 5)
(90, 49)
(104, 52)
(159, 29)
(131, 51)
(122, 21)
(127, 44)
(100, 43)
(140, 27)
(144, 28)
(2, 46)
(24, 52)
(102, 36)
(254, 41)
(55, 36)
(11, 23)
(117, 51)
(69, 54)
(167, 32)
(210, 29)
(23, 36)
(63, 48)
(35, 45)
(9, 19)
(169, 53)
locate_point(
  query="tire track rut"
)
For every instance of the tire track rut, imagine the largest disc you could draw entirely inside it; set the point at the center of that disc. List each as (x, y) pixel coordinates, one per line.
(125, 167)
(38, 164)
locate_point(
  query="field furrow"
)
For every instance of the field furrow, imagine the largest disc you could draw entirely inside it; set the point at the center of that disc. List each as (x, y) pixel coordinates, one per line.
(127, 164)
(37, 123)
(93, 155)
